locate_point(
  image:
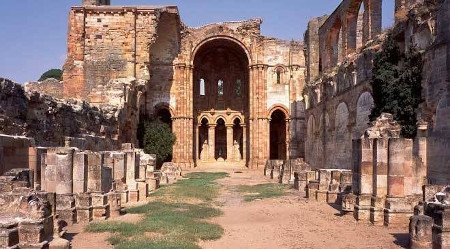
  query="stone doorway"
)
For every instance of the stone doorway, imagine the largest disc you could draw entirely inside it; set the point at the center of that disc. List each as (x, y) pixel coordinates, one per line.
(278, 145)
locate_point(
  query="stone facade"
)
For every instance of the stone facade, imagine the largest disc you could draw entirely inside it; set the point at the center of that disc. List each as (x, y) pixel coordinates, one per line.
(260, 77)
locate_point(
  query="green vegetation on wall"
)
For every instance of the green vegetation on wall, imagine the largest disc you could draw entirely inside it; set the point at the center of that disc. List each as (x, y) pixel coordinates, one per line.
(396, 84)
(52, 73)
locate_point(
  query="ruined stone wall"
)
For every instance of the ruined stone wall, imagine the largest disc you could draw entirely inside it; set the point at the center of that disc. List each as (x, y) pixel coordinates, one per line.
(50, 121)
(341, 96)
(107, 43)
(50, 87)
(312, 47)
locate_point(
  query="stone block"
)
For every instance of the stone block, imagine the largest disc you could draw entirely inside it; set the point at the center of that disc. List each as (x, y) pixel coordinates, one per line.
(83, 200)
(397, 212)
(31, 232)
(84, 214)
(333, 197)
(124, 196)
(100, 212)
(67, 216)
(9, 235)
(115, 204)
(99, 199)
(324, 179)
(133, 195)
(321, 195)
(362, 207)
(152, 184)
(421, 232)
(311, 189)
(143, 190)
(377, 211)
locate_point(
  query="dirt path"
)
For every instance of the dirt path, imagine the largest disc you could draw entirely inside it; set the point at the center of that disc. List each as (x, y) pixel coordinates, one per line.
(292, 222)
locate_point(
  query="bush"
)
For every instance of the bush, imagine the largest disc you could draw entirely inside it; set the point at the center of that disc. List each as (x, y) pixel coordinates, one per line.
(396, 84)
(52, 73)
(158, 139)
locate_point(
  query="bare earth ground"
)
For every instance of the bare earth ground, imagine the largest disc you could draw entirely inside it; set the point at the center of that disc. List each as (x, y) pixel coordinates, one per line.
(285, 222)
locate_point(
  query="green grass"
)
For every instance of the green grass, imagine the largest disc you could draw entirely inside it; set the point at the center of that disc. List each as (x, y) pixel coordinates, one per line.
(177, 224)
(198, 186)
(262, 191)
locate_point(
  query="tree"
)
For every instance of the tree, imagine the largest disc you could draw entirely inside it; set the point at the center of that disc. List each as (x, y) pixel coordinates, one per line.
(52, 73)
(158, 139)
(396, 84)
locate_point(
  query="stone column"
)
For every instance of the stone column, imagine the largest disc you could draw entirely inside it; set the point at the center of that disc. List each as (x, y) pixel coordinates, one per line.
(363, 201)
(229, 142)
(398, 210)
(80, 172)
(288, 139)
(212, 142)
(197, 146)
(244, 142)
(380, 168)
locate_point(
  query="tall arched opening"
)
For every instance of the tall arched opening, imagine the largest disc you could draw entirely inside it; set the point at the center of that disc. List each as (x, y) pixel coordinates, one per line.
(278, 145)
(221, 92)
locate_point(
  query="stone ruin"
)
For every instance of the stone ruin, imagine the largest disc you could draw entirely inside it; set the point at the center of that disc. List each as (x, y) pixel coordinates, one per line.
(60, 186)
(384, 185)
(286, 171)
(430, 227)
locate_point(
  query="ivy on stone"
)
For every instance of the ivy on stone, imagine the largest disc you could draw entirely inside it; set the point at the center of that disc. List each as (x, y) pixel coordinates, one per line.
(396, 84)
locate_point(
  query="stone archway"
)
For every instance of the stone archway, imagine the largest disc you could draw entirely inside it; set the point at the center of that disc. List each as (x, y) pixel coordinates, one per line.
(278, 133)
(221, 92)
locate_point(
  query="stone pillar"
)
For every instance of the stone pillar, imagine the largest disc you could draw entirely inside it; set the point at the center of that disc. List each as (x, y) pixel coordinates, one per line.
(244, 142)
(58, 172)
(197, 144)
(363, 201)
(324, 183)
(229, 142)
(212, 142)
(380, 168)
(94, 183)
(288, 139)
(398, 210)
(80, 172)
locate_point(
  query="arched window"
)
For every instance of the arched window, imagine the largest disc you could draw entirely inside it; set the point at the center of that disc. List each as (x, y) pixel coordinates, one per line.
(220, 87)
(237, 87)
(278, 76)
(202, 87)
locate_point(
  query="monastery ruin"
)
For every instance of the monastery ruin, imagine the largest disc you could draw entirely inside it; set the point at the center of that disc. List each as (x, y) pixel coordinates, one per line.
(296, 111)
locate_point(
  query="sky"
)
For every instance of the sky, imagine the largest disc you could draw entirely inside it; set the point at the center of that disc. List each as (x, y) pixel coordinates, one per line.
(33, 33)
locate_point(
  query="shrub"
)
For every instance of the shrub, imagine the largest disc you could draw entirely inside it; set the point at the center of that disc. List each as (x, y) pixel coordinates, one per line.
(52, 73)
(158, 139)
(396, 84)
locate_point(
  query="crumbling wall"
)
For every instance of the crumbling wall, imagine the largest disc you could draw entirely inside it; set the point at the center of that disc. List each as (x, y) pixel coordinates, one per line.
(50, 87)
(107, 43)
(49, 121)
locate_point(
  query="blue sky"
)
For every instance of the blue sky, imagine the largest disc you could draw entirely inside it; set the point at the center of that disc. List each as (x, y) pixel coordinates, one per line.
(33, 33)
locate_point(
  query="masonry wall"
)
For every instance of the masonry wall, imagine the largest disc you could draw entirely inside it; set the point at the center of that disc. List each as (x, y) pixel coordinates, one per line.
(51, 121)
(107, 43)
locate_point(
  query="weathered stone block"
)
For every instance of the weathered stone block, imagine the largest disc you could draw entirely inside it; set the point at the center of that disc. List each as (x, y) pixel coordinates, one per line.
(9, 235)
(377, 211)
(31, 232)
(133, 195)
(333, 197)
(84, 214)
(312, 188)
(321, 195)
(421, 232)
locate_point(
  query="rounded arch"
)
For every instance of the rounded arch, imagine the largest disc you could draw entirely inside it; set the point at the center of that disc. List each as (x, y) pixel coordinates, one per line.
(218, 38)
(163, 105)
(364, 107)
(279, 107)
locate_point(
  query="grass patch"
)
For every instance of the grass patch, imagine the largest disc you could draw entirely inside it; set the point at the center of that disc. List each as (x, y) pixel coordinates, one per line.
(262, 191)
(198, 186)
(180, 224)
